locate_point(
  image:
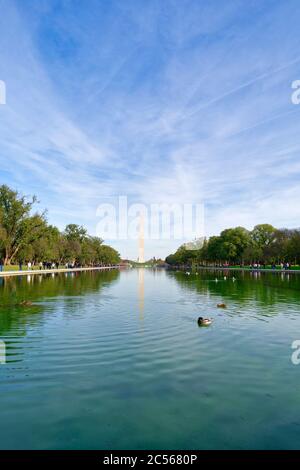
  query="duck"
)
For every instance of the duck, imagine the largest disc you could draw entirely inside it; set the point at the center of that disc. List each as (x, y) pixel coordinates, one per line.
(221, 305)
(204, 321)
(25, 303)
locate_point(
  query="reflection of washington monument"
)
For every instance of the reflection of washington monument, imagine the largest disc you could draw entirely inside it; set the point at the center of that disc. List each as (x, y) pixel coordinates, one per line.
(141, 292)
(141, 257)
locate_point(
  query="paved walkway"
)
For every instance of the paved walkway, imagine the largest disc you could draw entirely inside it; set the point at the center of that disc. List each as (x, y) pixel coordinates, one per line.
(50, 271)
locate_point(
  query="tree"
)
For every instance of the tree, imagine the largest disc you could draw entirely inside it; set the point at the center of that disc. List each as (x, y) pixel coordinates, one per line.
(47, 247)
(74, 236)
(293, 247)
(108, 255)
(17, 227)
(264, 243)
(75, 232)
(263, 235)
(214, 249)
(27, 236)
(234, 241)
(276, 250)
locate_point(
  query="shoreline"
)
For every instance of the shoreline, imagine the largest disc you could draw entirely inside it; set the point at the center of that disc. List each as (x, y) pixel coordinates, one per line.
(53, 271)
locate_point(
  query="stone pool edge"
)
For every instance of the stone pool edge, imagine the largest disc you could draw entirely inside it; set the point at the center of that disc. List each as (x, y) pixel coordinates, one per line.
(51, 271)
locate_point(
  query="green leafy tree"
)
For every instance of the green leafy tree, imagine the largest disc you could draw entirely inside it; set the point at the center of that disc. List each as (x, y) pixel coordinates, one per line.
(265, 243)
(233, 243)
(26, 236)
(75, 232)
(293, 247)
(263, 235)
(18, 227)
(214, 249)
(108, 255)
(74, 236)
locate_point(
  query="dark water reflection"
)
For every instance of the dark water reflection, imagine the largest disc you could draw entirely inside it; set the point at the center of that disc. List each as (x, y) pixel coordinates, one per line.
(15, 318)
(266, 289)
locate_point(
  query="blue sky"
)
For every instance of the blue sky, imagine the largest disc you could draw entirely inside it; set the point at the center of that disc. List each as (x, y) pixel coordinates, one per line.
(161, 100)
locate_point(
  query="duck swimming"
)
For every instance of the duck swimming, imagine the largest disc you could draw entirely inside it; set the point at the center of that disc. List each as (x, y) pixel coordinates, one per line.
(221, 305)
(25, 303)
(204, 321)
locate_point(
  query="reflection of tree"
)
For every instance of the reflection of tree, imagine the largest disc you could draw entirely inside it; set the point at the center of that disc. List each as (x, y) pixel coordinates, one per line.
(14, 290)
(264, 288)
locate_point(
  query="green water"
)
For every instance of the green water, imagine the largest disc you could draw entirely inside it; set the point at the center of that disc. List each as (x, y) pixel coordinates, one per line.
(113, 360)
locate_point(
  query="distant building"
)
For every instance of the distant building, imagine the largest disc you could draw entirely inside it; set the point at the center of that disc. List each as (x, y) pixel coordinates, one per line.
(196, 244)
(125, 263)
